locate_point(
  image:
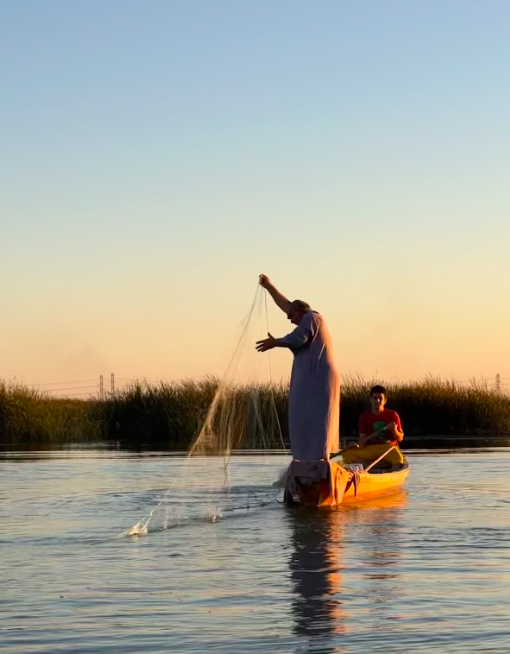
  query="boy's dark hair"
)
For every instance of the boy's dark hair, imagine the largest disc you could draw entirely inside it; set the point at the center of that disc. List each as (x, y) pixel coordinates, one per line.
(378, 389)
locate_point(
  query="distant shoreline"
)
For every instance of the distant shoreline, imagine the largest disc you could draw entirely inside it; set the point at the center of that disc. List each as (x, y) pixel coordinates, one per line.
(439, 443)
(168, 417)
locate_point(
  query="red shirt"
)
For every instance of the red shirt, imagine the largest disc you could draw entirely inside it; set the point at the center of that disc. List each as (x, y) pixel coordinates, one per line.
(369, 422)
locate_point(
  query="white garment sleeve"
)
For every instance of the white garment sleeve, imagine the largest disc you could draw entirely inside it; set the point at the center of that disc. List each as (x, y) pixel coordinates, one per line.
(303, 333)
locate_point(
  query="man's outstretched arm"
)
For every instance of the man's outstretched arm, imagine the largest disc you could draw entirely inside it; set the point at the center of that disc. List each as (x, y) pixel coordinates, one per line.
(296, 339)
(280, 300)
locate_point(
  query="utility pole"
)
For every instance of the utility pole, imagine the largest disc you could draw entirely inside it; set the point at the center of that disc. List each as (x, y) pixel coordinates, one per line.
(112, 382)
(498, 382)
(101, 386)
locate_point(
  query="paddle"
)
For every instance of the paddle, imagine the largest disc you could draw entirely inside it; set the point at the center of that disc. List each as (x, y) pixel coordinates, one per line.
(337, 454)
(375, 434)
(379, 459)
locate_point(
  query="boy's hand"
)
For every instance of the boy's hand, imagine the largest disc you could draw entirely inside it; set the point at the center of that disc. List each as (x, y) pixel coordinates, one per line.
(391, 428)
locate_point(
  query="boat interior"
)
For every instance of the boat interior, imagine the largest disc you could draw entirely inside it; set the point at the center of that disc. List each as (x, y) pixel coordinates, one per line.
(383, 467)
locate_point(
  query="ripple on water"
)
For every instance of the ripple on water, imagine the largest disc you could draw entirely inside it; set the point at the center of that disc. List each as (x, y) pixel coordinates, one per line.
(425, 570)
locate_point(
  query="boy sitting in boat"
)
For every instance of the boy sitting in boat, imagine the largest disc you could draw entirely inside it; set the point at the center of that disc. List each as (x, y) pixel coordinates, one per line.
(379, 430)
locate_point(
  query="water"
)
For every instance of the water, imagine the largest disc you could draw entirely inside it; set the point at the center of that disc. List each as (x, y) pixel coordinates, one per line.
(426, 570)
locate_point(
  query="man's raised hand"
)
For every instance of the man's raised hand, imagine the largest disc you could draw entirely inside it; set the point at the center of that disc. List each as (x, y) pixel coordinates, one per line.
(264, 281)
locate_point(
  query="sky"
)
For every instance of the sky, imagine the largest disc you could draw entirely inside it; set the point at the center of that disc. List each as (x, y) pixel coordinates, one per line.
(157, 156)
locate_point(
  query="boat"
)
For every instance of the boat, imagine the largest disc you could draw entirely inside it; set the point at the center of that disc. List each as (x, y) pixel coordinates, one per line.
(330, 483)
(376, 483)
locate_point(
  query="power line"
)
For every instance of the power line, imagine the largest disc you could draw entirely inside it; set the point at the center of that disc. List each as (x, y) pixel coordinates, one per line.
(70, 397)
(73, 388)
(79, 381)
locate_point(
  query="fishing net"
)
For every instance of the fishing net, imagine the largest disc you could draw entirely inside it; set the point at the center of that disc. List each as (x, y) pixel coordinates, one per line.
(205, 484)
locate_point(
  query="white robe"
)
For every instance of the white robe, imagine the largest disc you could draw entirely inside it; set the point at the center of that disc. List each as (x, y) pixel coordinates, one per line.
(314, 399)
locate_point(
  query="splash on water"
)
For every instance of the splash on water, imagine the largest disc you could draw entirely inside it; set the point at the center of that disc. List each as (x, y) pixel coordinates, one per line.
(239, 415)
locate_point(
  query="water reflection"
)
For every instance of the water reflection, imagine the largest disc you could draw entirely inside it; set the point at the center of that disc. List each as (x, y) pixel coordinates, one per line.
(318, 565)
(380, 525)
(316, 574)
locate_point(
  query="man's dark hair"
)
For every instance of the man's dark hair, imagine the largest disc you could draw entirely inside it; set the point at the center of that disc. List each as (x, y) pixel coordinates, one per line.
(377, 389)
(299, 304)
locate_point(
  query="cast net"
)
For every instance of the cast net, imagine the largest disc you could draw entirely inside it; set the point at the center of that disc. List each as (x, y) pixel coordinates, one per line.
(206, 484)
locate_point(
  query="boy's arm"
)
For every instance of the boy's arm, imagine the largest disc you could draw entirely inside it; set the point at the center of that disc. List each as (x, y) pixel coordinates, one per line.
(363, 427)
(363, 438)
(395, 429)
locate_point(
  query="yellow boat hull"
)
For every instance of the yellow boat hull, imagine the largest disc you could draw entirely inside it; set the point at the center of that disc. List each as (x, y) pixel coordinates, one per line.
(357, 487)
(373, 485)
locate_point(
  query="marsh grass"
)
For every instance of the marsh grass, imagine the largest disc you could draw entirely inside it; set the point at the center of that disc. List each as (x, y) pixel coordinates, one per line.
(170, 416)
(433, 408)
(30, 417)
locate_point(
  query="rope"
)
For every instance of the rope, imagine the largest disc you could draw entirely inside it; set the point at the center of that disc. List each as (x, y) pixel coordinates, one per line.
(271, 382)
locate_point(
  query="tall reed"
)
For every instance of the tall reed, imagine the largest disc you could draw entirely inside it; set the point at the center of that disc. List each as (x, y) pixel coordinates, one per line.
(32, 418)
(433, 407)
(170, 415)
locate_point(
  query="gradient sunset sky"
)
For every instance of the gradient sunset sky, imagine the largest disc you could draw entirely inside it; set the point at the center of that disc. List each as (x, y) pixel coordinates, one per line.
(157, 156)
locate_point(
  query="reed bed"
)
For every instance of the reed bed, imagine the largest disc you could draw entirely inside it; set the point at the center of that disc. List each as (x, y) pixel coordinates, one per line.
(174, 415)
(32, 418)
(171, 416)
(434, 410)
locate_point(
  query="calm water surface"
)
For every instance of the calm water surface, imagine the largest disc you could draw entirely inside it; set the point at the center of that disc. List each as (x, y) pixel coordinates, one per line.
(425, 570)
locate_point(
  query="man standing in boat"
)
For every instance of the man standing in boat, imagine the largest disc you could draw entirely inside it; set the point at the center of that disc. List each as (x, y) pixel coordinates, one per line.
(314, 399)
(379, 429)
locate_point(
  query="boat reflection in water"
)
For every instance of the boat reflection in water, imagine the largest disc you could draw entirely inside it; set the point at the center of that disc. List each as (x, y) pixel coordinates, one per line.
(339, 557)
